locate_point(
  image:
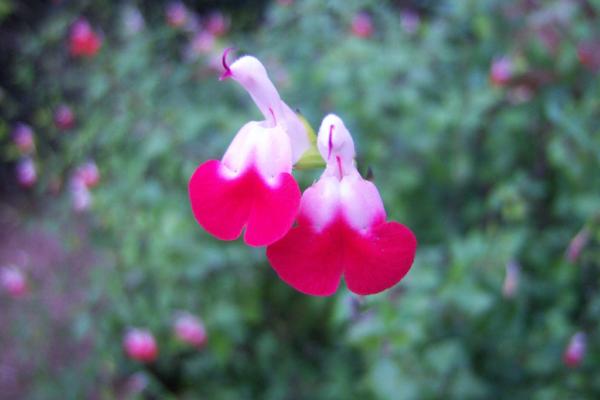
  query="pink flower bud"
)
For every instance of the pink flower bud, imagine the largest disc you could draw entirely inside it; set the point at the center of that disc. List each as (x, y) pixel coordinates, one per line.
(139, 345)
(22, 136)
(191, 330)
(80, 195)
(362, 25)
(217, 24)
(88, 174)
(203, 42)
(13, 281)
(177, 14)
(501, 71)
(576, 245)
(64, 118)
(83, 41)
(511, 279)
(575, 350)
(26, 172)
(588, 54)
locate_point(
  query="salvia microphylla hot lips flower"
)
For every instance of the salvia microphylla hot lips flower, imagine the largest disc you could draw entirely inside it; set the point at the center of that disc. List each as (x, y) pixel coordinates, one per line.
(342, 229)
(252, 185)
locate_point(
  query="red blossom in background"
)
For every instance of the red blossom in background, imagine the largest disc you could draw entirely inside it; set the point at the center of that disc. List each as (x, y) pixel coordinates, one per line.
(139, 345)
(252, 185)
(177, 14)
(64, 118)
(189, 329)
(342, 229)
(22, 136)
(575, 351)
(88, 173)
(589, 55)
(13, 281)
(501, 71)
(362, 25)
(217, 24)
(83, 41)
(26, 172)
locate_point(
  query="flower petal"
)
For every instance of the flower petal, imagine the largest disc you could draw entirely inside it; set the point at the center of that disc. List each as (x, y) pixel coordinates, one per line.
(379, 260)
(224, 205)
(307, 260)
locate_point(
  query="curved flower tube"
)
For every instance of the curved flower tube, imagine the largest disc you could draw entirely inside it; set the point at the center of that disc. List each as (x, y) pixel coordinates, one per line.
(342, 229)
(252, 185)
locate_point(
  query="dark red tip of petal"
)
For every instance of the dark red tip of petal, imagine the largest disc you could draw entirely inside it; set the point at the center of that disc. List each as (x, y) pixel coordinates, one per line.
(339, 163)
(330, 144)
(371, 262)
(227, 72)
(273, 115)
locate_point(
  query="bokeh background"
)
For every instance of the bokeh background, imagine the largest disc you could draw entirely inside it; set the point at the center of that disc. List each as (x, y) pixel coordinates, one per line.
(479, 122)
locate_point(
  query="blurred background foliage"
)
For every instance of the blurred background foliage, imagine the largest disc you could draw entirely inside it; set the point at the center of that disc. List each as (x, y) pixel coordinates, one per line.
(496, 175)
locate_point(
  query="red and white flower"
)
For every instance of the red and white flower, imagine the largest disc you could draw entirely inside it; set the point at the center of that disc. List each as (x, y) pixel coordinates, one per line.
(139, 345)
(64, 118)
(252, 185)
(362, 25)
(575, 351)
(189, 329)
(342, 229)
(83, 41)
(22, 136)
(501, 71)
(13, 281)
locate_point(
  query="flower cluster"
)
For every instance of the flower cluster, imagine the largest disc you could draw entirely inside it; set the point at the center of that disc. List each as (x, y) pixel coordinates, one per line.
(340, 221)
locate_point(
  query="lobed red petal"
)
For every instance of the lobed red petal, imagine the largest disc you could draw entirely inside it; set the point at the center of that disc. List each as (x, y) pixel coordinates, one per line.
(224, 206)
(313, 262)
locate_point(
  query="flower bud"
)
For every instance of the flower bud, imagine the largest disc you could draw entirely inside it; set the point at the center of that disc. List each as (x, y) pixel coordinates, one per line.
(501, 71)
(22, 136)
(362, 25)
(575, 350)
(88, 174)
(26, 172)
(13, 281)
(139, 345)
(177, 14)
(64, 118)
(190, 330)
(511, 279)
(217, 24)
(576, 245)
(83, 41)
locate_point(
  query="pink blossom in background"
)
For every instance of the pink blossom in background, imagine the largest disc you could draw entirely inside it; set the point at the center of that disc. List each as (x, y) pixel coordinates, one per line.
(190, 329)
(22, 136)
(410, 21)
(133, 20)
(80, 195)
(217, 24)
(88, 173)
(13, 281)
(64, 118)
(202, 43)
(140, 345)
(501, 71)
(588, 54)
(576, 245)
(177, 14)
(83, 41)
(342, 229)
(575, 351)
(362, 25)
(511, 279)
(26, 172)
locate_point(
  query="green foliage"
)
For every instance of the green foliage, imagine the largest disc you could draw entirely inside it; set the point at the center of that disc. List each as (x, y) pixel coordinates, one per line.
(483, 175)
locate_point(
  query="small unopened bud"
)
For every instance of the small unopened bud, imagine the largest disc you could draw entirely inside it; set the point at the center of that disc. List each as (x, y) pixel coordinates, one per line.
(588, 54)
(362, 25)
(511, 279)
(26, 172)
(410, 21)
(88, 173)
(576, 245)
(13, 281)
(22, 136)
(575, 350)
(139, 345)
(64, 118)
(189, 329)
(217, 24)
(501, 71)
(177, 14)
(80, 195)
